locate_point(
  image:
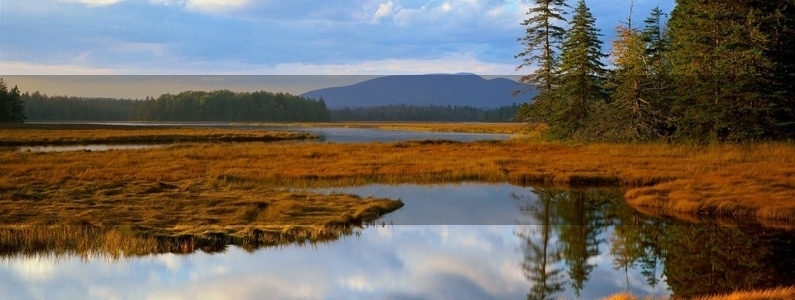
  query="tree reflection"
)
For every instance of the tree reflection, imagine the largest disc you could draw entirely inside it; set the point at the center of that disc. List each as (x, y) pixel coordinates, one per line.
(541, 257)
(695, 259)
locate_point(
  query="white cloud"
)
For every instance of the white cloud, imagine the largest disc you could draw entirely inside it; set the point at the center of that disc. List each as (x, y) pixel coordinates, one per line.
(384, 10)
(94, 3)
(215, 6)
(453, 63)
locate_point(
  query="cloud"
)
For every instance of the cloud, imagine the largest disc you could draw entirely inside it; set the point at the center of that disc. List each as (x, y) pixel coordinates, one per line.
(453, 63)
(94, 3)
(213, 6)
(384, 10)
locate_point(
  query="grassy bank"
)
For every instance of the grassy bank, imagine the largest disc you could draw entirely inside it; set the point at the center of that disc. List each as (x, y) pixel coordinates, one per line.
(12, 135)
(782, 293)
(730, 180)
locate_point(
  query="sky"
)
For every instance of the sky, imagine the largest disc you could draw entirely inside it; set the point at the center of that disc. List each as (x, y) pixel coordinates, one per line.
(268, 37)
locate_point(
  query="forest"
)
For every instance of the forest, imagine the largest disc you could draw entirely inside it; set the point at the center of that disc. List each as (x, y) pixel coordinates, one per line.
(712, 71)
(426, 113)
(225, 105)
(12, 107)
(220, 105)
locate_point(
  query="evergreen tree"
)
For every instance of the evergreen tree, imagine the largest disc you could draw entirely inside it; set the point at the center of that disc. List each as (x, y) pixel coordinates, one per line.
(638, 107)
(12, 108)
(581, 75)
(542, 42)
(725, 56)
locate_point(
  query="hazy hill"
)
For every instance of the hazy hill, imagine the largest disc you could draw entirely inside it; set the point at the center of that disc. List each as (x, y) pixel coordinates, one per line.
(422, 90)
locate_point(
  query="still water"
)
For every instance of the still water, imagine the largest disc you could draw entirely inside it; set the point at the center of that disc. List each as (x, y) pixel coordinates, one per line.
(325, 134)
(453, 241)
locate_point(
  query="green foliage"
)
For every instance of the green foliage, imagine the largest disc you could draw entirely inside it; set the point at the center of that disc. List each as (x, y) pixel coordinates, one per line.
(719, 71)
(542, 42)
(225, 105)
(425, 113)
(582, 73)
(222, 105)
(12, 108)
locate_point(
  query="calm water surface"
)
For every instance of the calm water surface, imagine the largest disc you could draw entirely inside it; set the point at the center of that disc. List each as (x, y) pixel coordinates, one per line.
(325, 134)
(455, 241)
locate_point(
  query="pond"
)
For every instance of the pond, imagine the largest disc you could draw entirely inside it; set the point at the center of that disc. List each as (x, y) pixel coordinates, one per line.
(452, 241)
(90, 147)
(325, 134)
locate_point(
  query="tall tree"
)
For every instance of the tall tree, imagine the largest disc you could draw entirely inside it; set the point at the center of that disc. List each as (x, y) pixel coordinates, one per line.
(542, 40)
(638, 106)
(726, 56)
(582, 74)
(12, 108)
(542, 43)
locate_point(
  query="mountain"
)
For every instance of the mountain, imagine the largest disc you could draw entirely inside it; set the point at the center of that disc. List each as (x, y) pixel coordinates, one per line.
(462, 89)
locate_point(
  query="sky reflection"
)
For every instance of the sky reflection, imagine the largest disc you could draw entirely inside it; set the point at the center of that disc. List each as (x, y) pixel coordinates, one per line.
(393, 262)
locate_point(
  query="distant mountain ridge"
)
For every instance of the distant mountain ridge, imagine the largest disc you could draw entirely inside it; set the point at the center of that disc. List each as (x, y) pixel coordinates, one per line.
(463, 89)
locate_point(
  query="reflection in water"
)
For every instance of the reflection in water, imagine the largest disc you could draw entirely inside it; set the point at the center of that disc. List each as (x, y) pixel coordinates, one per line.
(553, 243)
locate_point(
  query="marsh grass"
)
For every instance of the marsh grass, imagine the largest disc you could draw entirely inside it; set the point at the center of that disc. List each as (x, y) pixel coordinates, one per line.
(12, 135)
(205, 193)
(780, 293)
(740, 181)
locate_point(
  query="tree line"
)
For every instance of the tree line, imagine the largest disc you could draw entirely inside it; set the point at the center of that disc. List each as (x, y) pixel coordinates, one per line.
(12, 107)
(426, 113)
(224, 105)
(712, 71)
(220, 105)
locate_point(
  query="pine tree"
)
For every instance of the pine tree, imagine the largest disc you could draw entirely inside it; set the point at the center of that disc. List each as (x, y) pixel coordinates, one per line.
(542, 42)
(725, 56)
(638, 106)
(12, 108)
(581, 74)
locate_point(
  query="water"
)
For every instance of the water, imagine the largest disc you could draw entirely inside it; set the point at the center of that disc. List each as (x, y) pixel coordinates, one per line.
(325, 134)
(366, 135)
(90, 147)
(454, 241)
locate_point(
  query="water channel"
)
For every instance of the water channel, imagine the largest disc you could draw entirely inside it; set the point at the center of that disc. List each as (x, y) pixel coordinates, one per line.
(325, 134)
(451, 241)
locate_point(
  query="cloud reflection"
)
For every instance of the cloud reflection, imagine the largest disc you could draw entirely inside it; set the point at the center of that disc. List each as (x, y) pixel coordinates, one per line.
(398, 262)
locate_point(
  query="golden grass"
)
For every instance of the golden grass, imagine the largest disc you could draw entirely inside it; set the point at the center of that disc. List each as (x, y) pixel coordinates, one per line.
(732, 180)
(504, 128)
(737, 181)
(780, 293)
(75, 134)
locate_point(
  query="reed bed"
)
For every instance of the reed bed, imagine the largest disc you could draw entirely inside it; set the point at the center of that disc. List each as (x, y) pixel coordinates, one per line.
(780, 293)
(12, 135)
(742, 181)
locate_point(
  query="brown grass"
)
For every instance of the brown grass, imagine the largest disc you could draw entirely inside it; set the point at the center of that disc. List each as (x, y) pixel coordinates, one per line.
(737, 181)
(12, 135)
(732, 180)
(781, 293)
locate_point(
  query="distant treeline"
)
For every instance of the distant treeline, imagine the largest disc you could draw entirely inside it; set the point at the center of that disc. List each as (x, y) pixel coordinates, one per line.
(221, 105)
(228, 106)
(425, 113)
